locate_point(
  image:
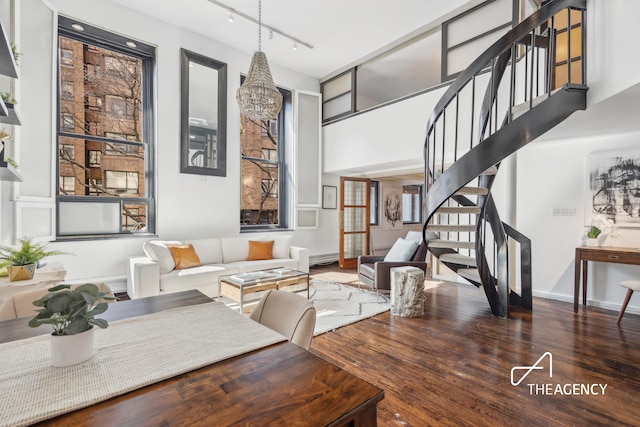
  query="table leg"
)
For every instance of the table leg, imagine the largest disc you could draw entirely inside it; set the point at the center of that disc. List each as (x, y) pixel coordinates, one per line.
(576, 285)
(242, 301)
(585, 266)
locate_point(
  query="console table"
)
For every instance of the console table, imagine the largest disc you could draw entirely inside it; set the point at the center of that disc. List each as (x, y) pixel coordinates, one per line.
(609, 254)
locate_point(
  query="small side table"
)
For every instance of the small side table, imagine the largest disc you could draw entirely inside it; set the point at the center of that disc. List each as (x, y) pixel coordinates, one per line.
(51, 274)
(407, 291)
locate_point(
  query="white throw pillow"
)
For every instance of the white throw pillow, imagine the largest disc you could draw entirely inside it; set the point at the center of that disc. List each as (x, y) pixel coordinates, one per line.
(158, 251)
(402, 250)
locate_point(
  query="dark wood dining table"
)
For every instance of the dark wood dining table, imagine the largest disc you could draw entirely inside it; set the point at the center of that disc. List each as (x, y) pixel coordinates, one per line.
(281, 384)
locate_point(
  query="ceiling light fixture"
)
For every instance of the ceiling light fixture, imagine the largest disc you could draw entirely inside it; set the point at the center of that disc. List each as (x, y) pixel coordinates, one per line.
(231, 17)
(258, 97)
(295, 45)
(271, 29)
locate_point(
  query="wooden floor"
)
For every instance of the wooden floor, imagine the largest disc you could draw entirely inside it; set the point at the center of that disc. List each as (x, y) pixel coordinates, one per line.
(453, 366)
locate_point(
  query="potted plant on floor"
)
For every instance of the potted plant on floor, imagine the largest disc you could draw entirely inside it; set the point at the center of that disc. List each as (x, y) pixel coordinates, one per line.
(71, 313)
(21, 263)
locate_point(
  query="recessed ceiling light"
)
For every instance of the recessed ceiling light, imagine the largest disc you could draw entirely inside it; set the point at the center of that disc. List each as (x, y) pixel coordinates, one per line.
(77, 27)
(131, 44)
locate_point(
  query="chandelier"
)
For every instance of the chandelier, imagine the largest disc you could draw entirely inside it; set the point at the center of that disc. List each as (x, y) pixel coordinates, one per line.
(258, 97)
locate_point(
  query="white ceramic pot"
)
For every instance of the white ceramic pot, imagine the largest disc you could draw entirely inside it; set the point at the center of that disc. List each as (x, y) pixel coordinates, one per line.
(592, 242)
(67, 350)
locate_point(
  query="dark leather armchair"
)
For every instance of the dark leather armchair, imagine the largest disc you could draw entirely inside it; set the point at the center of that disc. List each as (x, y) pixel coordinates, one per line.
(375, 272)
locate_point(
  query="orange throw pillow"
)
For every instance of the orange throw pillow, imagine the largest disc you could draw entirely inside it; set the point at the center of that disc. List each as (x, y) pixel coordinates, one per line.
(260, 250)
(184, 256)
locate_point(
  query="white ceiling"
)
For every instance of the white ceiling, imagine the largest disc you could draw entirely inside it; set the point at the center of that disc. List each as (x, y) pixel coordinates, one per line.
(342, 32)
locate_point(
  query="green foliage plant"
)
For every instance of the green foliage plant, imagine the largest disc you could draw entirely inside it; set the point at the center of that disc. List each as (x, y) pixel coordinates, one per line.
(8, 98)
(71, 311)
(27, 253)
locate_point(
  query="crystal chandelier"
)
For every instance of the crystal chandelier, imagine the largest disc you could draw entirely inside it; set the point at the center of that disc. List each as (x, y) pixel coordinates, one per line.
(258, 97)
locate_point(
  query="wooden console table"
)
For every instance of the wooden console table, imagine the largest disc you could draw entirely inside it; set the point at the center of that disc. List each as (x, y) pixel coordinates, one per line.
(584, 254)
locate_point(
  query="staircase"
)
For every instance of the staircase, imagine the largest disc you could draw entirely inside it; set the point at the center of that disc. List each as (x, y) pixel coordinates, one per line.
(510, 95)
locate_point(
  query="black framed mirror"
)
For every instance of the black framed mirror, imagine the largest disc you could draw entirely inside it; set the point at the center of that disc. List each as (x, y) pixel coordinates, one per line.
(203, 96)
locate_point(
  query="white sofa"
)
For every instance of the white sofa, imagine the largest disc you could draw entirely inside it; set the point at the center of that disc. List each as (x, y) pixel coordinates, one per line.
(155, 273)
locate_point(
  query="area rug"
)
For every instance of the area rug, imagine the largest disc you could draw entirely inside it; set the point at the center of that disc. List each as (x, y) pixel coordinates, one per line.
(339, 305)
(336, 304)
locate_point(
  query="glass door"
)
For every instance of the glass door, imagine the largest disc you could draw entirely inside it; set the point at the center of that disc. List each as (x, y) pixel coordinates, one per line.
(354, 220)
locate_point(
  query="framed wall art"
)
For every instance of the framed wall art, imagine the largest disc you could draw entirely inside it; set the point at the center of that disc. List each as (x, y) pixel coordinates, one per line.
(329, 197)
(614, 187)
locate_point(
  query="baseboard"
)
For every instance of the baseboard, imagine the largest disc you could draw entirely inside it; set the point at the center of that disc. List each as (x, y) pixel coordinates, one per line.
(590, 303)
(117, 284)
(323, 258)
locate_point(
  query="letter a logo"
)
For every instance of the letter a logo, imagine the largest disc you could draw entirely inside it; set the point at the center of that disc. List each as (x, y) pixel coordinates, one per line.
(528, 369)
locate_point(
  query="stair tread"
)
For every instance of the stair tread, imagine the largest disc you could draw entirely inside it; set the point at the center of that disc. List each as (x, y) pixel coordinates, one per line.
(472, 191)
(458, 209)
(469, 273)
(452, 228)
(442, 243)
(458, 259)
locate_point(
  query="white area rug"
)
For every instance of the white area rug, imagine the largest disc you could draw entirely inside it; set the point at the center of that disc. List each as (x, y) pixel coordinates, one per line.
(339, 305)
(336, 304)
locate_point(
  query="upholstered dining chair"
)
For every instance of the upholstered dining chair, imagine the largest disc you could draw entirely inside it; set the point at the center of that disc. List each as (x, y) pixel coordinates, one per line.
(21, 304)
(289, 314)
(631, 285)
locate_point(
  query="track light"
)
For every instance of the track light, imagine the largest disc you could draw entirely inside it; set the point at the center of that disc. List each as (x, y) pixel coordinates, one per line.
(233, 12)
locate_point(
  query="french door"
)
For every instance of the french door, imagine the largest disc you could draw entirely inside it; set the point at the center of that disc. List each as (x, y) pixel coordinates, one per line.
(354, 220)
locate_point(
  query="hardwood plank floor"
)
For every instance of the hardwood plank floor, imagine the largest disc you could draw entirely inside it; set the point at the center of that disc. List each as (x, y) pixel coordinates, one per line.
(452, 367)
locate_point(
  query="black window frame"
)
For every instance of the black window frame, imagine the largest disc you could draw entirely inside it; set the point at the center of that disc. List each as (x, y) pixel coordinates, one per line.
(147, 54)
(283, 167)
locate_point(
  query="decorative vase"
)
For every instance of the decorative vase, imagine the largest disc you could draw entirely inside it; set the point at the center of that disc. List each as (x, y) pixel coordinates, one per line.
(21, 272)
(67, 350)
(593, 242)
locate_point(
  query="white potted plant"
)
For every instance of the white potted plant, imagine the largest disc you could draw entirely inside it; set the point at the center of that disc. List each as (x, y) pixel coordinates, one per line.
(600, 229)
(71, 313)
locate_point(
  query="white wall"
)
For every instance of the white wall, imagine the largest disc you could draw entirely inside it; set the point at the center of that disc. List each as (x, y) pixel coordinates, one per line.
(189, 206)
(554, 175)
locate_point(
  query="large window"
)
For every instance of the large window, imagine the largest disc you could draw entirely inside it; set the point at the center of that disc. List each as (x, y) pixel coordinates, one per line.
(263, 204)
(105, 133)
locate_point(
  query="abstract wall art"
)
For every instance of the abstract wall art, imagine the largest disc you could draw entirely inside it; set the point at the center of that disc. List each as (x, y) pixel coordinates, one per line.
(391, 208)
(614, 187)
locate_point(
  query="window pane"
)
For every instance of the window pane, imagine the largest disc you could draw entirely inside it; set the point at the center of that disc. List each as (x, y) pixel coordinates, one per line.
(411, 203)
(259, 203)
(134, 217)
(90, 163)
(373, 208)
(101, 89)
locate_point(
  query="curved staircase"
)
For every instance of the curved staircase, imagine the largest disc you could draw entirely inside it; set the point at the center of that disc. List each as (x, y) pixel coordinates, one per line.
(505, 99)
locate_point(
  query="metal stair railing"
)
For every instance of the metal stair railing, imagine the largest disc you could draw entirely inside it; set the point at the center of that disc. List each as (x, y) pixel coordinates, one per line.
(527, 56)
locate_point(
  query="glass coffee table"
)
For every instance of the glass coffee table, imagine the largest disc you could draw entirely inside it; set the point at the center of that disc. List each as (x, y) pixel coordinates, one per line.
(239, 286)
